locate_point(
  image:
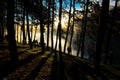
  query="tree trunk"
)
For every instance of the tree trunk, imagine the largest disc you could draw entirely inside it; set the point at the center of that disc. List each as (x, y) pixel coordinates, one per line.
(68, 26)
(60, 64)
(84, 30)
(56, 40)
(101, 32)
(53, 8)
(81, 34)
(28, 31)
(17, 25)
(79, 44)
(110, 33)
(41, 28)
(20, 34)
(72, 29)
(31, 32)
(59, 26)
(2, 16)
(23, 25)
(17, 31)
(49, 3)
(35, 33)
(11, 32)
(3, 22)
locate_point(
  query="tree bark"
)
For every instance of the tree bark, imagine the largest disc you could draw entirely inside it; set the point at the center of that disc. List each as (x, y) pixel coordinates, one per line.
(2, 16)
(53, 8)
(48, 31)
(59, 25)
(101, 32)
(28, 31)
(110, 33)
(35, 32)
(56, 40)
(11, 32)
(23, 25)
(41, 27)
(68, 26)
(31, 32)
(84, 31)
(72, 29)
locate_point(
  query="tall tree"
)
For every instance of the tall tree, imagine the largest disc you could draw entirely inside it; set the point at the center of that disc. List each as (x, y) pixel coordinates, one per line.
(72, 29)
(81, 33)
(21, 34)
(58, 35)
(53, 8)
(16, 27)
(68, 26)
(28, 29)
(56, 40)
(84, 30)
(11, 32)
(49, 3)
(2, 16)
(110, 33)
(79, 43)
(35, 32)
(41, 27)
(17, 31)
(101, 32)
(59, 25)
(31, 32)
(60, 58)
(23, 24)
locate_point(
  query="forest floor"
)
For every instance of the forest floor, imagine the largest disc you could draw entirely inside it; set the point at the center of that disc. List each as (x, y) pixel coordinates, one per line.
(35, 65)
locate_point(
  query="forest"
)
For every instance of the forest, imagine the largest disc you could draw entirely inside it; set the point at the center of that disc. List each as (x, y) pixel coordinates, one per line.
(59, 39)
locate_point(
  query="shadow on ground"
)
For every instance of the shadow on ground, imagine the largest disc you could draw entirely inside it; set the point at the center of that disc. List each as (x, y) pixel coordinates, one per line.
(59, 66)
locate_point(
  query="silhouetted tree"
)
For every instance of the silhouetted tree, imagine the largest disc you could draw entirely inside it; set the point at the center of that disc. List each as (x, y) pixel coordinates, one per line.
(85, 4)
(56, 40)
(68, 27)
(20, 35)
(72, 28)
(110, 33)
(84, 30)
(58, 35)
(2, 20)
(79, 43)
(11, 32)
(28, 30)
(41, 27)
(23, 24)
(53, 9)
(17, 31)
(35, 32)
(31, 32)
(48, 31)
(59, 25)
(101, 31)
(60, 58)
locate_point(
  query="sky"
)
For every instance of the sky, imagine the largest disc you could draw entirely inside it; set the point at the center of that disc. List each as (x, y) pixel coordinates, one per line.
(78, 6)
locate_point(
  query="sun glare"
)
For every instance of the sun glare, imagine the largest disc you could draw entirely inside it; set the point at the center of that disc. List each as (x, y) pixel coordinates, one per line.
(63, 21)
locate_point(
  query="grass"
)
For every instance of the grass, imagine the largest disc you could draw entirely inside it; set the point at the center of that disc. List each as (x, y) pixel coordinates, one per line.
(34, 65)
